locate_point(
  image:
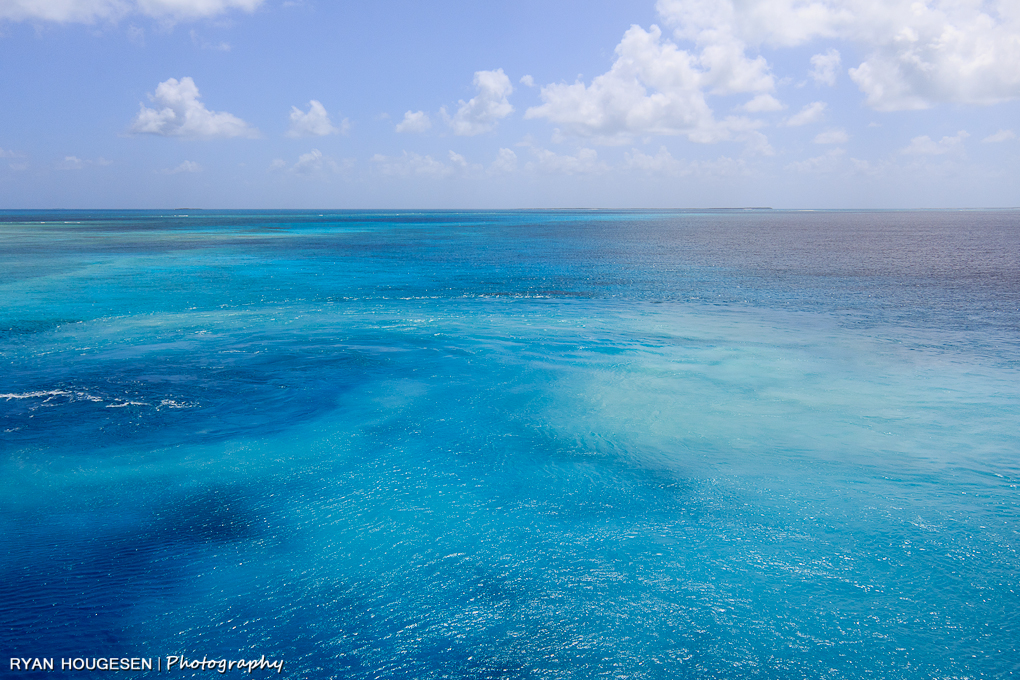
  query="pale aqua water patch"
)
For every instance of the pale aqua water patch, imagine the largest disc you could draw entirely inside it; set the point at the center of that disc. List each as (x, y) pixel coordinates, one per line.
(551, 445)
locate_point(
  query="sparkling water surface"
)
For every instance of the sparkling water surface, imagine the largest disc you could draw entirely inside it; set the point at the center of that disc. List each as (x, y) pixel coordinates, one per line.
(562, 444)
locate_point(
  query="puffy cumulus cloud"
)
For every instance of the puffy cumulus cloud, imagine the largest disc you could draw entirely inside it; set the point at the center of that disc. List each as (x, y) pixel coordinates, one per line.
(314, 123)
(942, 51)
(484, 110)
(838, 136)
(653, 88)
(825, 67)
(91, 11)
(918, 52)
(812, 113)
(1000, 136)
(713, 27)
(179, 113)
(411, 164)
(926, 146)
(584, 162)
(414, 121)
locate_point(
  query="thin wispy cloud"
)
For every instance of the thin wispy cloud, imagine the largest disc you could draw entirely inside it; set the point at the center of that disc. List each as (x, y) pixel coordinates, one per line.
(92, 11)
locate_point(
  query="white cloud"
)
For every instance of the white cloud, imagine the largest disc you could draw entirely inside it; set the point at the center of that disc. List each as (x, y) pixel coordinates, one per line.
(825, 67)
(664, 164)
(827, 162)
(763, 102)
(812, 113)
(866, 168)
(315, 122)
(584, 162)
(838, 136)
(411, 164)
(414, 121)
(75, 163)
(186, 166)
(1000, 136)
(91, 11)
(661, 163)
(201, 43)
(462, 166)
(179, 113)
(653, 88)
(918, 52)
(527, 81)
(483, 111)
(136, 35)
(71, 163)
(925, 146)
(314, 163)
(14, 154)
(756, 143)
(506, 161)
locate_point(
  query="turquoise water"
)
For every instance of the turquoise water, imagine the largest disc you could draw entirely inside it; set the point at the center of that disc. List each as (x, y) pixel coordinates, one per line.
(567, 444)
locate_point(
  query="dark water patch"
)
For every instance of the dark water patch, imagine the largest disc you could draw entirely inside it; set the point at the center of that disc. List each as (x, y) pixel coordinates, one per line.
(79, 594)
(73, 592)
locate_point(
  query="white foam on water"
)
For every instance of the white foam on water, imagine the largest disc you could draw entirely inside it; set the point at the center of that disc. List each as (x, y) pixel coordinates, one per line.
(49, 394)
(34, 395)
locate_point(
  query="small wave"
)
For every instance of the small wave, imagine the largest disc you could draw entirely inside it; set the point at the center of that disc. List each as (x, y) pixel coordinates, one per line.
(170, 403)
(50, 394)
(34, 395)
(128, 403)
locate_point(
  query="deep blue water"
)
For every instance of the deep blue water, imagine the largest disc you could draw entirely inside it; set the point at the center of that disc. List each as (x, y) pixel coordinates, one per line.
(564, 444)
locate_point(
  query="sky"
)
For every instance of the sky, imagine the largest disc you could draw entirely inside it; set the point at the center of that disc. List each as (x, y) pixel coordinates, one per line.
(267, 104)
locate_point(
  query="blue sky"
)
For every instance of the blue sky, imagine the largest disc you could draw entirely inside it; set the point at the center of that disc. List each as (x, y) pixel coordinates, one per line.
(675, 103)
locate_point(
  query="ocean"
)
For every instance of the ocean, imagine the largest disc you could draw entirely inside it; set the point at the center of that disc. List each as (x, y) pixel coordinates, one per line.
(511, 444)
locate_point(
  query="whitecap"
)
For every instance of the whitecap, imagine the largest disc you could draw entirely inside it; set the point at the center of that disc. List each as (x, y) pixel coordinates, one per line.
(35, 395)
